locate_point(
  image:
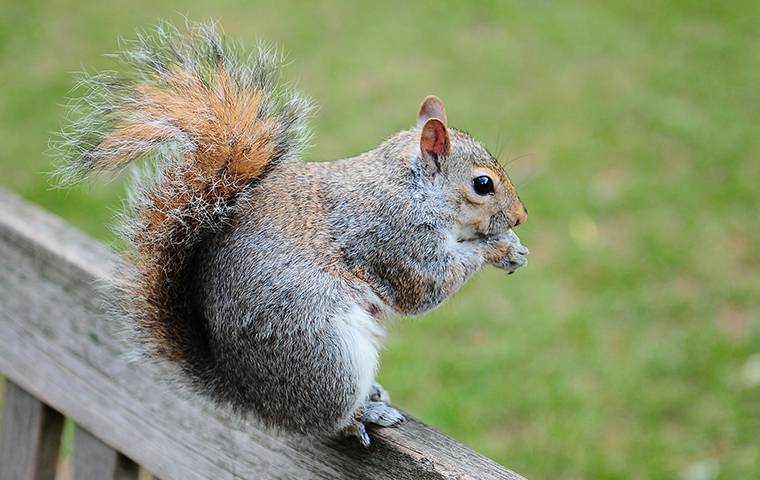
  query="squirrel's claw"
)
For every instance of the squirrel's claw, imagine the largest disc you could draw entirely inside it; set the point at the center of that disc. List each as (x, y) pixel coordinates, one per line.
(359, 430)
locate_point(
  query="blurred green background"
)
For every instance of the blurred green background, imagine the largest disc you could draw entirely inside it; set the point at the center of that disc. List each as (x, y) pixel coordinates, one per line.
(630, 346)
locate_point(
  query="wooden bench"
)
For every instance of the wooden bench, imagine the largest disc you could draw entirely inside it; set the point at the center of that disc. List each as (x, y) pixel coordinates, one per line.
(61, 357)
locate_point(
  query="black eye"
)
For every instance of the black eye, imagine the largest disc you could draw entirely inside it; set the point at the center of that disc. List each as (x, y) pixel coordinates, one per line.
(483, 185)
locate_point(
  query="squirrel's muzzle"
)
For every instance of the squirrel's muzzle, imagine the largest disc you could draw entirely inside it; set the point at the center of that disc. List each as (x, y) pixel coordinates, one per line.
(519, 214)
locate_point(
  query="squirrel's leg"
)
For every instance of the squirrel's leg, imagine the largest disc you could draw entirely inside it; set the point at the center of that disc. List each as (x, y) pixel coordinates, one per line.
(358, 335)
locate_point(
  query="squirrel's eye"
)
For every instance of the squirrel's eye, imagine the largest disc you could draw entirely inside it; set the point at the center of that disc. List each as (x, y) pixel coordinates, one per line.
(483, 185)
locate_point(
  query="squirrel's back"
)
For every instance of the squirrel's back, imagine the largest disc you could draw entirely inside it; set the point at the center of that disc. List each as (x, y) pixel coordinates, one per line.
(212, 121)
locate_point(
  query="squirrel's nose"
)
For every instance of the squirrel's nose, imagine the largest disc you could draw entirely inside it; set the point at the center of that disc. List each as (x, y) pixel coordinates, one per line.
(520, 215)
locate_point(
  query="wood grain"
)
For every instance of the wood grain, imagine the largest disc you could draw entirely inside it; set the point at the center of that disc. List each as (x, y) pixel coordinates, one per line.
(57, 343)
(30, 437)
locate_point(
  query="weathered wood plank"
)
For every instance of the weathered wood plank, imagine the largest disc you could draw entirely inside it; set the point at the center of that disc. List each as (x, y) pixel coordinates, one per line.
(93, 459)
(30, 436)
(57, 343)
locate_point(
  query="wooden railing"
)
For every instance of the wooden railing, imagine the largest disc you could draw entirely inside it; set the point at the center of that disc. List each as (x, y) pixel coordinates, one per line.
(61, 356)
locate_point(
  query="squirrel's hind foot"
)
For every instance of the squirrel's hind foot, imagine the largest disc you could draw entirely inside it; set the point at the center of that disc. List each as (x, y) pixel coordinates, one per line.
(375, 412)
(380, 413)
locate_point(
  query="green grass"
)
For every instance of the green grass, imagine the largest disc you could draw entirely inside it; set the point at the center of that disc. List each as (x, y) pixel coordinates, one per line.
(632, 133)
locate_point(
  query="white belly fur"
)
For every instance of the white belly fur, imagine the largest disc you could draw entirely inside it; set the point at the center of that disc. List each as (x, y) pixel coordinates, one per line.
(359, 336)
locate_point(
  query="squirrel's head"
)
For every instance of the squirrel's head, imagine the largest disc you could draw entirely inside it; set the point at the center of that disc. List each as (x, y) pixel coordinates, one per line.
(485, 200)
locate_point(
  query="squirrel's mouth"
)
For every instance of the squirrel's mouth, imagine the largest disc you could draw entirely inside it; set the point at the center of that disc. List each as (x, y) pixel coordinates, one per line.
(477, 236)
(480, 236)
(474, 237)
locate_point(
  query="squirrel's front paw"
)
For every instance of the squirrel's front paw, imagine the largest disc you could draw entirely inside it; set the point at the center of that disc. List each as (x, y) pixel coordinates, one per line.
(508, 253)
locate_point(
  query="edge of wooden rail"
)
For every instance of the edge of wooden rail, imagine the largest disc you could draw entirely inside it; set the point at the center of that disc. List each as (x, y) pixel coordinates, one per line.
(57, 343)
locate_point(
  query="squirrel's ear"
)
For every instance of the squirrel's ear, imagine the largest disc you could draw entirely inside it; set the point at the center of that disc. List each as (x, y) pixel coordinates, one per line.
(432, 107)
(434, 139)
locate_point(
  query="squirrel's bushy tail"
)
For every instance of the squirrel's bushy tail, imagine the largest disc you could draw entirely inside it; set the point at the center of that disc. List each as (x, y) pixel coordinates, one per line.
(211, 120)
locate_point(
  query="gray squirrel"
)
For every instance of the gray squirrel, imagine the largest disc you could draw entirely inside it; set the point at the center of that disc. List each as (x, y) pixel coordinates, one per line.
(264, 279)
